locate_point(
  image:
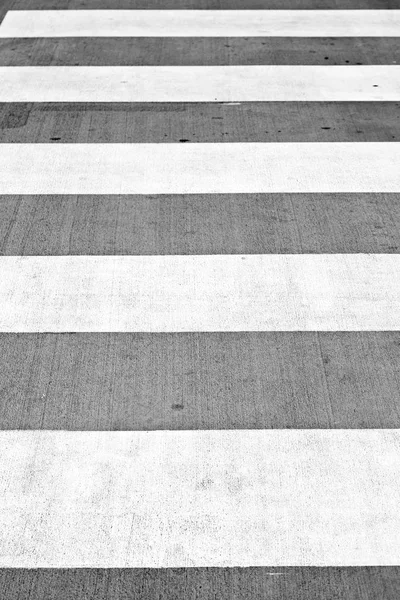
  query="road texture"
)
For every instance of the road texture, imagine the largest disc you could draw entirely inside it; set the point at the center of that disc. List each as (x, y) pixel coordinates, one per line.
(189, 451)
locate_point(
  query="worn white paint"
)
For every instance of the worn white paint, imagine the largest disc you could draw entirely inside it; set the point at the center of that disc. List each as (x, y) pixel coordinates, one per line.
(199, 498)
(201, 23)
(365, 83)
(210, 168)
(325, 292)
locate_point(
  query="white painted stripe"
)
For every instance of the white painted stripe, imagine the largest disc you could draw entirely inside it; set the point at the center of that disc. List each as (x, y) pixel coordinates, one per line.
(201, 23)
(199, 498)
(363, 83)
(199, 168)
(325, 292)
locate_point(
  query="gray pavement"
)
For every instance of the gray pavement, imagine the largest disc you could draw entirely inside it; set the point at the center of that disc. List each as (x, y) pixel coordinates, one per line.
(362, 583)
(206, 4)
(199, 51)
(200, 224)
(160, 381)
(200, 381)
(199, 122)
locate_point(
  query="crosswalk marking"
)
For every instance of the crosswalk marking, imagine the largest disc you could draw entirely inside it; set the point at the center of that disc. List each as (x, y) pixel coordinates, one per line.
(200, 498)
(212, 168)
(201, 23)
(330, 292)
(140, 356)
(364, 83)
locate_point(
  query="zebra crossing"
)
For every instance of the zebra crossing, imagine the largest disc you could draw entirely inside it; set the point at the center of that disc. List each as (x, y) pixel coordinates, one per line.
(201, 84)
(201, 498)
(216, 168)
(199, 341)
(330, 292)
(201, 23)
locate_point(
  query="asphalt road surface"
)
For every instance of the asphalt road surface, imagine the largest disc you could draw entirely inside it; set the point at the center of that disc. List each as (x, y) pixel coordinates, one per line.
(199, 299)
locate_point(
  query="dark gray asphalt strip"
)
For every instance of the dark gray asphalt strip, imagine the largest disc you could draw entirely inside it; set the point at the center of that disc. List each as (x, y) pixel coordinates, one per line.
(200, 381)
(200, 122)
(200, 224)
(199, 51)
(205, 4)
(354, 583)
